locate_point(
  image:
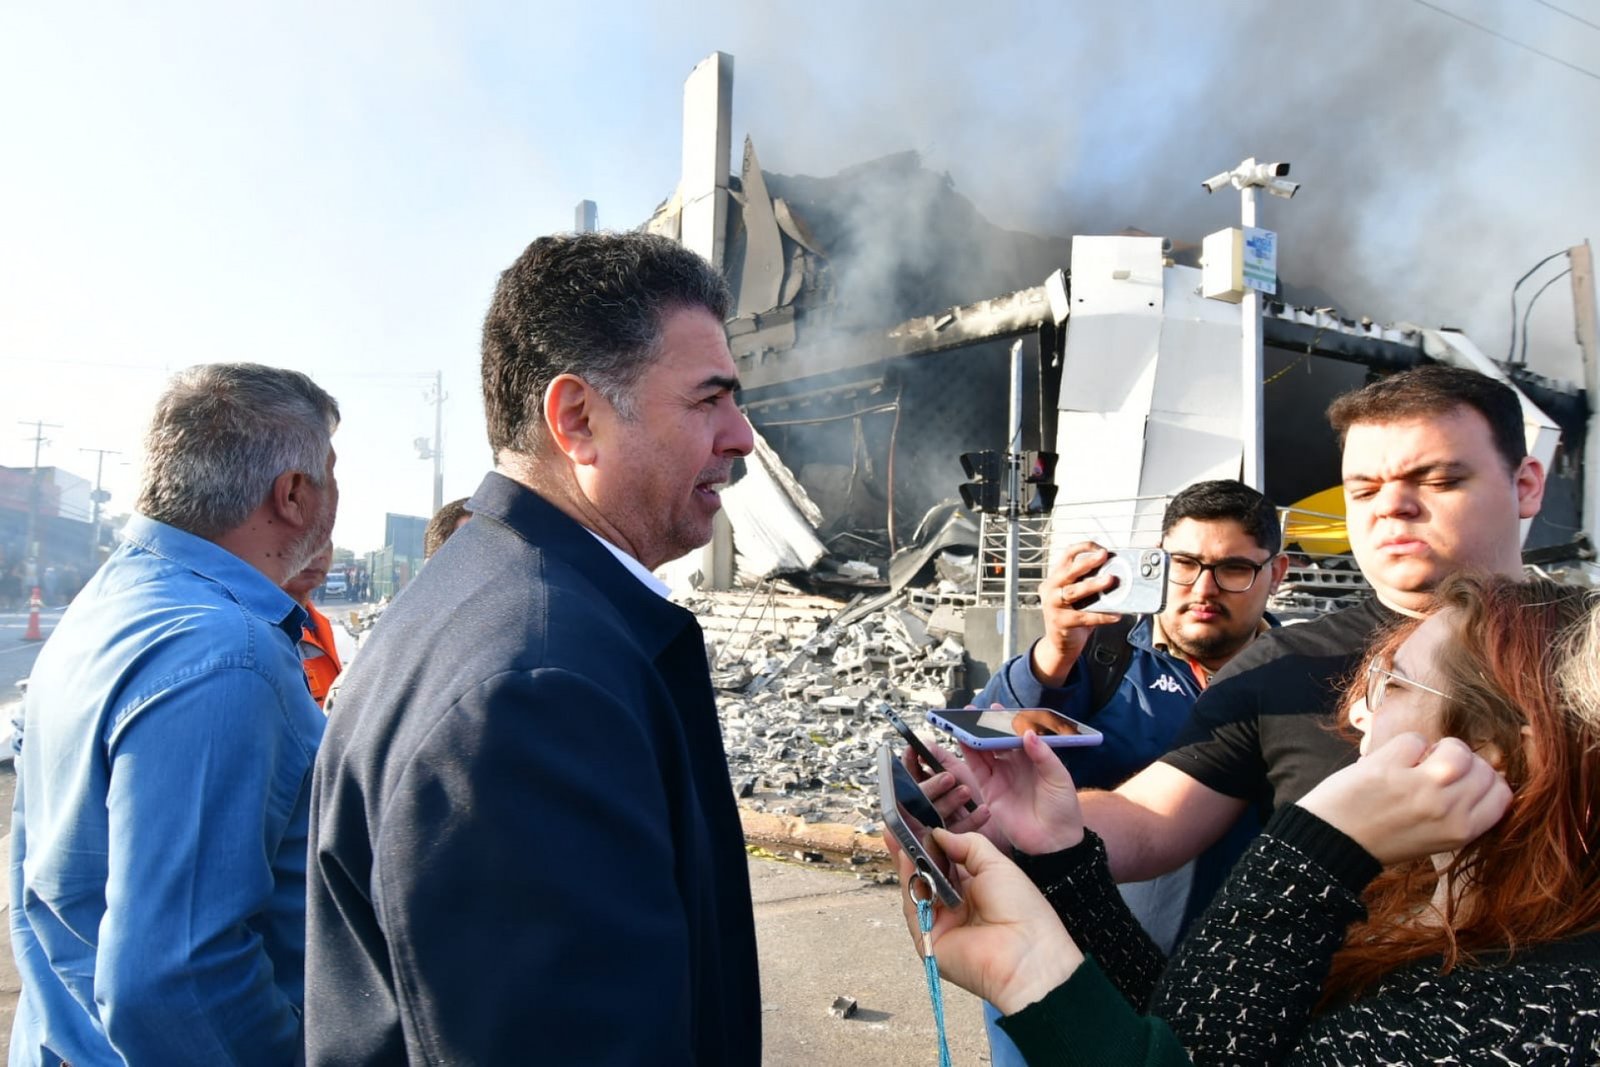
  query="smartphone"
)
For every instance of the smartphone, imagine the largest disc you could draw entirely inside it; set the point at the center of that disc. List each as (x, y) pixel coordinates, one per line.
(930, 762)
(1003, 727)
(1141, 588)
(909, 815)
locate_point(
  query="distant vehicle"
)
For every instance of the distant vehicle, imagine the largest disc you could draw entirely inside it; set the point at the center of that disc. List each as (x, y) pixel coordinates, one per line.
(335, 585)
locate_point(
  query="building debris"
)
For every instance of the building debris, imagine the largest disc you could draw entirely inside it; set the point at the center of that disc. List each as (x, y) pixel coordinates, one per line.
(799, 693)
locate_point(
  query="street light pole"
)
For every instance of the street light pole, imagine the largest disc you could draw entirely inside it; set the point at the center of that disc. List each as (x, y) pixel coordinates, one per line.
(438, 441)
(99, 497)
(1247, 177)
(1252, 366)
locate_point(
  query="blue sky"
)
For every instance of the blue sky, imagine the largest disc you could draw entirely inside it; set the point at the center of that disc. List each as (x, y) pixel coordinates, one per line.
(334, 187)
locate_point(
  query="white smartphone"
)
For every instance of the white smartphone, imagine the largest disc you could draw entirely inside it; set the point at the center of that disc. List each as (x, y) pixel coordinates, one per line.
(997, 728)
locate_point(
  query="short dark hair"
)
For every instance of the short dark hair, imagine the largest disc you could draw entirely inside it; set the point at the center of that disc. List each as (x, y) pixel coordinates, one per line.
(1226, 498)
(1432, 390)
(589, 304)
(442, 525)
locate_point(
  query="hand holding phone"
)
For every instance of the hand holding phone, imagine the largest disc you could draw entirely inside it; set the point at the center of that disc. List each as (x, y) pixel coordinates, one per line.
(999, 728)
(909, 817)
(1139, 583)
(930, 763)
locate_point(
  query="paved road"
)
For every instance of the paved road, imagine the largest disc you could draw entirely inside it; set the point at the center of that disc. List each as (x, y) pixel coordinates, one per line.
(17, 655)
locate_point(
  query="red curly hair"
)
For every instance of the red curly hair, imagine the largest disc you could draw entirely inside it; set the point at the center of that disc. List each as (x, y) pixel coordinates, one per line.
(1523, 655)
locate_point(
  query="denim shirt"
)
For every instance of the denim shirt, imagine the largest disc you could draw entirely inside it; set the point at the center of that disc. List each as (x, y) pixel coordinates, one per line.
(158, 855)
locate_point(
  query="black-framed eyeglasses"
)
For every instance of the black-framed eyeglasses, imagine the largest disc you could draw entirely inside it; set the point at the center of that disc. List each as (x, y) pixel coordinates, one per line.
(1379, 678)
(1231, 575)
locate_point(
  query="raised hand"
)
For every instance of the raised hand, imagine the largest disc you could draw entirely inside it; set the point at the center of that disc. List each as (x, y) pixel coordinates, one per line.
(1066, 629)
(1029, 794)
(1408, 799)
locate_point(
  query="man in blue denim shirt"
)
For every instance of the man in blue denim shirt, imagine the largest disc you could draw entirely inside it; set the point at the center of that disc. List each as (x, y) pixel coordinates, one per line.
(165, 752)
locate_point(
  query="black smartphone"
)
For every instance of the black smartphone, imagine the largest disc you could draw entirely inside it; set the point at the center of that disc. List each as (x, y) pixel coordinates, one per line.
(908, 815)
(930, 762)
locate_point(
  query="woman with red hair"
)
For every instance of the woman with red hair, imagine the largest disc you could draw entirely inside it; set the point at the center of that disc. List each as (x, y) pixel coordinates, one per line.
(1348, 934)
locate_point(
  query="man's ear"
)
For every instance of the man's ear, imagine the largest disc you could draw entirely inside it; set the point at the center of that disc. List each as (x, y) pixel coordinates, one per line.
(1278, 568)
(1529, 484)
(570, 409)
(292, 500)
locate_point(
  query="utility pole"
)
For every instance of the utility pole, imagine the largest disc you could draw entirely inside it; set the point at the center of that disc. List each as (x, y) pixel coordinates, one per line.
(99, 496)
(31, 549)
(435, 450)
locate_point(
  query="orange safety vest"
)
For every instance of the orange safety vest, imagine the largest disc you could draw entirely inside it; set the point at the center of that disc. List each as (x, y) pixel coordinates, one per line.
(318, 654)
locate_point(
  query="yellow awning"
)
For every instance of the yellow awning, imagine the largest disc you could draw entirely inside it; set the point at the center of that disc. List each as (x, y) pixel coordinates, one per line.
(1317, 523)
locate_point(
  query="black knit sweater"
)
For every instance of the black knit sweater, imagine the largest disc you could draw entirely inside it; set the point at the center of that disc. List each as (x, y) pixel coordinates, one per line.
(1243, 986)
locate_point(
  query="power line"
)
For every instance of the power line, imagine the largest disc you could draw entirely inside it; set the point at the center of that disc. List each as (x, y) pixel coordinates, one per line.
(1570, 15)
(1510, 40)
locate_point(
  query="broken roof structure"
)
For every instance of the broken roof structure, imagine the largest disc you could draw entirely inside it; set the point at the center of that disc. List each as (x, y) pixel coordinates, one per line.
(873, 310)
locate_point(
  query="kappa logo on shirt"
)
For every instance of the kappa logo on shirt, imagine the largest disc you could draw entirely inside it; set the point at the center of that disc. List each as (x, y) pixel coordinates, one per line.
(1167, 684)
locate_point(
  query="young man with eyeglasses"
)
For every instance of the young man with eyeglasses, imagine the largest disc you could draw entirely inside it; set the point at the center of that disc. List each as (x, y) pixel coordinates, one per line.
(1136, 679)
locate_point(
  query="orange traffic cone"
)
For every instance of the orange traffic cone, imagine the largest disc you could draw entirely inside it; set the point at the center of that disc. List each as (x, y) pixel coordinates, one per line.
(34, 604)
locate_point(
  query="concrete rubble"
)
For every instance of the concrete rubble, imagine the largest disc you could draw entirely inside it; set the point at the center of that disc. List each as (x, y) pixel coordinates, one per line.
(801, 682)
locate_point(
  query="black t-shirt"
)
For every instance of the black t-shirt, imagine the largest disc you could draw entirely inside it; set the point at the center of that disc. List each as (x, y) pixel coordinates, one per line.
(1264, 731)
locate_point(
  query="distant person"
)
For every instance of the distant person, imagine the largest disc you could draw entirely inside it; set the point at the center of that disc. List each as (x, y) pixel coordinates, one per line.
(319, 654)
(525, 846)
(446, 521)
(158, 848)
(11, 586)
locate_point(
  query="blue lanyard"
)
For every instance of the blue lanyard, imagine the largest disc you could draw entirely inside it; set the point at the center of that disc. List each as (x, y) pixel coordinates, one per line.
(930, 965)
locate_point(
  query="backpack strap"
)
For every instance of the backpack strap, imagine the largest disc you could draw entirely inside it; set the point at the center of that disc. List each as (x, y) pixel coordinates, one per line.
(1106, 658)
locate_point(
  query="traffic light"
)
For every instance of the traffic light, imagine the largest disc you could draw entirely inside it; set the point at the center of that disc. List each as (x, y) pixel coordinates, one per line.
(985, 491)
(1039, 471)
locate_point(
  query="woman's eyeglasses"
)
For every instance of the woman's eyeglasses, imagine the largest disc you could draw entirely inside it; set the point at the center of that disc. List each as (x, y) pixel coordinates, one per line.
(1379, 678)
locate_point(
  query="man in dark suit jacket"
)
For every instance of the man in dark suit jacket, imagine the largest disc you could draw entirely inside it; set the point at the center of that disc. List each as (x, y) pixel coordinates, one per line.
(524, 843)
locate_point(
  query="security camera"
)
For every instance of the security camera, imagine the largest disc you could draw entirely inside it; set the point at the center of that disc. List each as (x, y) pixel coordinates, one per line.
(1271, 170)
(1217, 182)
(1279, 187)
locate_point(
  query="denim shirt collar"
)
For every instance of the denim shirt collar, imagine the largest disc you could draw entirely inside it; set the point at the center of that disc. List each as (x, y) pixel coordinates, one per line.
(250, 588)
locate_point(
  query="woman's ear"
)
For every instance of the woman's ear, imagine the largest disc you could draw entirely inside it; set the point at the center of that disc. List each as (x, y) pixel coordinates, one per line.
(1491, 754)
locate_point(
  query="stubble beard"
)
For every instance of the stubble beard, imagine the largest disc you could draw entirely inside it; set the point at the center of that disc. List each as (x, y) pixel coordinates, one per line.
(1212, 644)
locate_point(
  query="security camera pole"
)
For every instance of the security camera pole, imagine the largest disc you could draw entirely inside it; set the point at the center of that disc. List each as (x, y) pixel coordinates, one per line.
(1247, 177)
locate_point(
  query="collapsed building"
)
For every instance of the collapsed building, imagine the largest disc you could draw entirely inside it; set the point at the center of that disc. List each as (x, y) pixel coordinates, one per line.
(873, 314)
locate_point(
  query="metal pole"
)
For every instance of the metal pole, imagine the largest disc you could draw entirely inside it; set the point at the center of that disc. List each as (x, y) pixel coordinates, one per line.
(32, 549)
(1584, 314)
(1013, 505)
(1252, 472)
(438, 441)
(99, 467)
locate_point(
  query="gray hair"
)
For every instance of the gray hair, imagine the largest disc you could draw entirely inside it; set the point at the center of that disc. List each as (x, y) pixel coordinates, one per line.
(222, 434)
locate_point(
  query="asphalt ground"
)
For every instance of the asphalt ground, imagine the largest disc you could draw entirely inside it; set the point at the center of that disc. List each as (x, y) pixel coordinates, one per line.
(822, 933)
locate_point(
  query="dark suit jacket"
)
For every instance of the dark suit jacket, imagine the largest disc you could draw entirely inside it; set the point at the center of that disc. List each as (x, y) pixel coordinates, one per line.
(524, 844)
